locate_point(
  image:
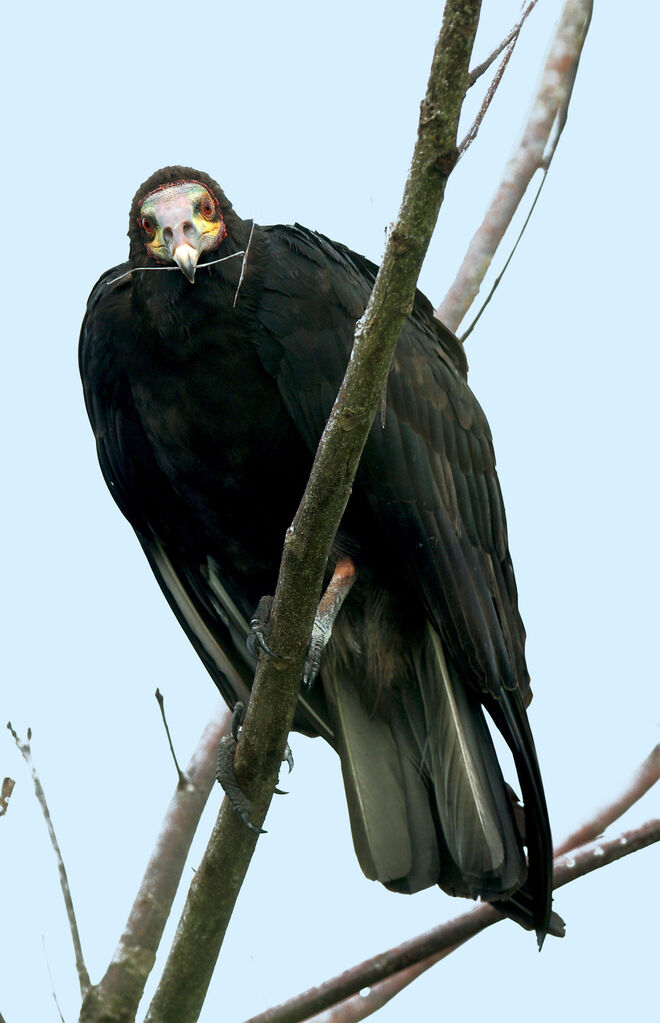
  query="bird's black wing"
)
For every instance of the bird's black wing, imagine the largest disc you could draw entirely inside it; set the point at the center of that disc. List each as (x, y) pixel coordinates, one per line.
(428, 474)
(428, 469)
(215, 621)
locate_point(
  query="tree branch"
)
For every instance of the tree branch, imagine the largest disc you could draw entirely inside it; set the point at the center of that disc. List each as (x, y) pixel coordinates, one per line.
(217, 882)
(444, 938)
(115, 999)
(510, 45)
(481, 69)
(357, 1008)
(370, 1000)
(645, 777)
(26, 751)
(534, 152)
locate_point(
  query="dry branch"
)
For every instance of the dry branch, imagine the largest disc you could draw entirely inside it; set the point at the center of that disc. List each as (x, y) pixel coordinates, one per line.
(534, 152)
(217, 882)
(481, 69)
(443, 938)
(26, 751)
(115, 999)
(645, 777)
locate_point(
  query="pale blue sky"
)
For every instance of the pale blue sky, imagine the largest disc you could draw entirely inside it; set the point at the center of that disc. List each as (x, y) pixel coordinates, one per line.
(307, 113)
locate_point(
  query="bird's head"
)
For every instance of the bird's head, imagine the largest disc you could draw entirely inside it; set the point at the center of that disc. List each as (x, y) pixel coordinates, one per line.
(176, 217)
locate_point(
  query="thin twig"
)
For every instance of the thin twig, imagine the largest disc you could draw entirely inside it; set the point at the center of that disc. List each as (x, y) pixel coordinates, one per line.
(161, 703)
(362, 1005)
(117, 995)
(52, 984)
(534, 152)
(644, 778)
(308, 541)
(358, 1008)
(24, 747)
(509, 44)
(444, 937)
(487, 100)
(480, 69)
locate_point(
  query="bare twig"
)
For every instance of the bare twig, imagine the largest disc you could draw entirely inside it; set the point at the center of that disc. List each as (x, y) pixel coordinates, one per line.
(448, 935)
(358, 1008)
(117, 995)
(5, 794)
(161, 703)
(24, 747)
(487, 100)
(362, 1005)
(534, 152)
(510, 44)
(480, 69)
(214, 890)
(645, 777)
(52, 985)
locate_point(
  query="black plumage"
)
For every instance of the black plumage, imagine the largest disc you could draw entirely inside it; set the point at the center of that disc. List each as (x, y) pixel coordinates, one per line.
(208, 377)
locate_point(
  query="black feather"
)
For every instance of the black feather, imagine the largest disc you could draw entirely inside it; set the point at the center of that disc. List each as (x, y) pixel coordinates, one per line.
(207, 403)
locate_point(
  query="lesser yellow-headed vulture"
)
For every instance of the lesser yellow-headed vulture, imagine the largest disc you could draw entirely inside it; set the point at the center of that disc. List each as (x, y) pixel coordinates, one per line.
(209, 375)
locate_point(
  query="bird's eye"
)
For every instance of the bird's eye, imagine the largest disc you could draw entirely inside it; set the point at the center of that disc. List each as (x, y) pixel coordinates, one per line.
(208, 208)
(148, 226)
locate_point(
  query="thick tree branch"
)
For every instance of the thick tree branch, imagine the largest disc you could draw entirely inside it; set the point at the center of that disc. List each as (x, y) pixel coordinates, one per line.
(115, 999)
(217, 882)
(26, 751)
(534, 152)
(446, 936)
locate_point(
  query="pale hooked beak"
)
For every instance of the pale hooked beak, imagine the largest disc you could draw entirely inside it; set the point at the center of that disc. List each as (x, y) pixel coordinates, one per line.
(185, 257)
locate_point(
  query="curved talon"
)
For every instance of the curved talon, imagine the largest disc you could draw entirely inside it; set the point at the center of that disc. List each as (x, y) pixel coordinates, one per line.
(260, 623)
(237, 718)
(320, 636)
(280, 792)
(226, 778)
(288, 756)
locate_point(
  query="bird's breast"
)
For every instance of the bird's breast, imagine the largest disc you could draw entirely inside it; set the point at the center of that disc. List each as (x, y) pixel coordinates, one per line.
(221, 434)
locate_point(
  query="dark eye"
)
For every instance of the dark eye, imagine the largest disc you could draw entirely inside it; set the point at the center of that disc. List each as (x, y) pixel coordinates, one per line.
(208, 208)
(148, 226)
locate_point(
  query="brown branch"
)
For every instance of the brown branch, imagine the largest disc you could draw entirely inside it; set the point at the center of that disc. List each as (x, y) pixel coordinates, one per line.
(161, 704)
(446, 936)
(480, 69)
(510, 44)
(26, 751)
(534, 152)
(218, 880)
(354, 1009)
(358, 1008)
(645, 777)
(117, 995)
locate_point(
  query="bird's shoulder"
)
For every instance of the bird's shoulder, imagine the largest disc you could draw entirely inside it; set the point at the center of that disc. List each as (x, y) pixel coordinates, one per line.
(333, 283)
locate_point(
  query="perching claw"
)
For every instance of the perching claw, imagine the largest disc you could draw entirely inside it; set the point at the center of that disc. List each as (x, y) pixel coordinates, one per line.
(226, 776)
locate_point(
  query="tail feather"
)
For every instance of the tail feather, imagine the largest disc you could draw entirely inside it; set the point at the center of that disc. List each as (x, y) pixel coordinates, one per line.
(374, 783)
(510, 716)
(426, 797)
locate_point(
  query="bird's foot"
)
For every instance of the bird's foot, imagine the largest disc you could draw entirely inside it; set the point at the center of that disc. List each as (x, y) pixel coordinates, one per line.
(225, 775)
(260, 625)
(288, 757)
(343, 578)
(321, 632)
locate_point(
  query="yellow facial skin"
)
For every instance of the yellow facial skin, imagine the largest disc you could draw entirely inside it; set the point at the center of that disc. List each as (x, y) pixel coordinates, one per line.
(180, 222)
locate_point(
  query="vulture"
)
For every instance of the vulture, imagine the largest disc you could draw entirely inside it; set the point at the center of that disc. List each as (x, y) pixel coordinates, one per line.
(210, 362)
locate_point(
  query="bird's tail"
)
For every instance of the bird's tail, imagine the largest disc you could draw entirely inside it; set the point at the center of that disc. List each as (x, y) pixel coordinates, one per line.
(427, 800)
